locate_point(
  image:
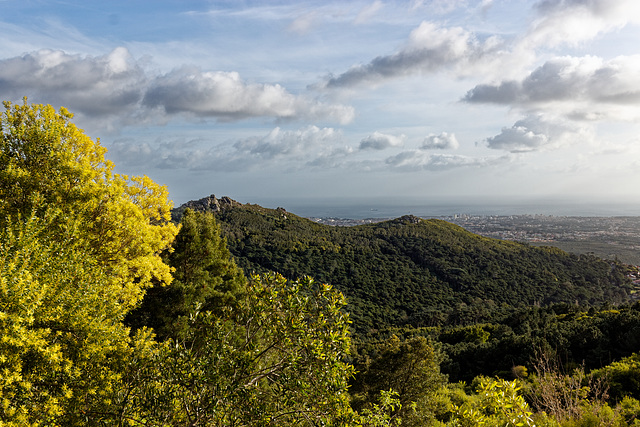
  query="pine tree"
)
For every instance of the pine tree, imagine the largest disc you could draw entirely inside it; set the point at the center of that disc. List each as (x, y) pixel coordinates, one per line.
(205, 279)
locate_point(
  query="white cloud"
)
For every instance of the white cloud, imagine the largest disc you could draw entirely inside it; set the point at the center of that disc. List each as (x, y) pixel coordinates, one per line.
(443, 141)
(430, 48)
(537, 132)
(381, 141)
(556, 80)
(586, 88)
(573, 21)
(224, 95)
(115, 88)
(518, 138)
(93, 86)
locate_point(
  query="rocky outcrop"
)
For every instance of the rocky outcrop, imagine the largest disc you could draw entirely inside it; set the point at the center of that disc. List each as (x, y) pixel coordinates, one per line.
(409, 219)
(211, 203)
(206, 204)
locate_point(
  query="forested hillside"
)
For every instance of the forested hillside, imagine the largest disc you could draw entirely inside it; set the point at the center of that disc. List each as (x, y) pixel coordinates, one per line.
(468, 330)
(414, 271)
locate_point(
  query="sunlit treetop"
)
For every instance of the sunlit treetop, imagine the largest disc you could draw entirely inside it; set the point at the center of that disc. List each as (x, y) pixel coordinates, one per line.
(47, 162)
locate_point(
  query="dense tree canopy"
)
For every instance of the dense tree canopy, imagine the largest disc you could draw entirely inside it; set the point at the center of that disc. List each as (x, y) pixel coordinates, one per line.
(46, 161)
(205, 276)
(61, 328)
(417, 272)
(79, 245)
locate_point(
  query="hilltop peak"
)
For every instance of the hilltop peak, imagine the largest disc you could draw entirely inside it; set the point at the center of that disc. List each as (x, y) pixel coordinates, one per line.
(206, 204)
(409, 219)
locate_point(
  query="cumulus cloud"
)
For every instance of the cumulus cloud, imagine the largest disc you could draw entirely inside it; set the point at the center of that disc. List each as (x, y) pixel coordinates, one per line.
(433, 47)
(381, 141)
(415, 160)
(518, 138)
(590, 87)
(443, 141)
(537, 132)
(430, 48)
(574, 21)
(115, 85)
(93, 86)
(225, 95)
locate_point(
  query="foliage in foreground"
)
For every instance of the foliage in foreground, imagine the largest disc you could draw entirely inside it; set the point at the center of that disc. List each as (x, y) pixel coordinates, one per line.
(61, 329)
(80, 245)
(276, 359)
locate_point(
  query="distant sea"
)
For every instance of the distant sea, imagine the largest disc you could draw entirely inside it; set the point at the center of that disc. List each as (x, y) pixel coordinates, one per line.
(383, 208)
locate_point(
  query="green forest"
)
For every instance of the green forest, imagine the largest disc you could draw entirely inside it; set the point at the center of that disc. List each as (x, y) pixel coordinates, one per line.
(417, 272)
(116, 310)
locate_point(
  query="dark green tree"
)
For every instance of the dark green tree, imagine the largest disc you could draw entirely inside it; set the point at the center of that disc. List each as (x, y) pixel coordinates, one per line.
(205, 278)
(410, 368)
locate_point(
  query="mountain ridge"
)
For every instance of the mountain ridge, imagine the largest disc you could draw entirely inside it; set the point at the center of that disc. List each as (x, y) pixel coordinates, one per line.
(410, 270)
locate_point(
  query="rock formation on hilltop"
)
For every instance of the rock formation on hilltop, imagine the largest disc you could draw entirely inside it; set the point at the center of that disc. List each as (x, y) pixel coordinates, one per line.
(207, 204)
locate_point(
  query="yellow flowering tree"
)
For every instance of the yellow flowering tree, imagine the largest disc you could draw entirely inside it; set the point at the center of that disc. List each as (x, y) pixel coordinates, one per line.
(78, 247)
(45, 161)
(61, 334)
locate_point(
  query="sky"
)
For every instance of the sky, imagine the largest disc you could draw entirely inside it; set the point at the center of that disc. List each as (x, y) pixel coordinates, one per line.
(274, 101)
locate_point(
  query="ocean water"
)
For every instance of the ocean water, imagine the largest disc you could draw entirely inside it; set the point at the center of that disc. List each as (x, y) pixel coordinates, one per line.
(384, 208)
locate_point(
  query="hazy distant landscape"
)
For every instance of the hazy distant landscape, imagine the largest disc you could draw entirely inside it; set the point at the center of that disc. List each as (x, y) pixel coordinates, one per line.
(606, 230)
(437, 207)
(605, 237)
